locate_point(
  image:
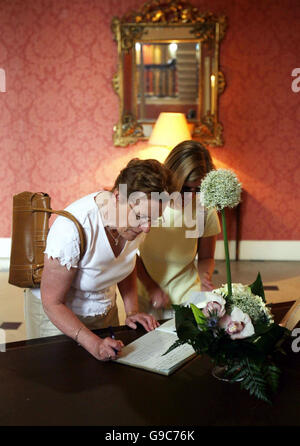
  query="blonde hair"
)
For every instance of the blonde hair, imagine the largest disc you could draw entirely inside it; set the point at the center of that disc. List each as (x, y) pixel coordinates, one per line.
(189, 161)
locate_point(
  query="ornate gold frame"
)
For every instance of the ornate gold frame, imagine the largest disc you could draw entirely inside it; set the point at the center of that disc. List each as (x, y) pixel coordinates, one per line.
(134, 26)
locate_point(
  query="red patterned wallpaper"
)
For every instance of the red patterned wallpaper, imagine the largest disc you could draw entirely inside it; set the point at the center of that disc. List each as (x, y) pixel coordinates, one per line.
(57, 115)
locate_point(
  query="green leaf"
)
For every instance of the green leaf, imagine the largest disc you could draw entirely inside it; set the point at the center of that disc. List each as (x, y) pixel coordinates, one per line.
(202, 342)
(183, 314)
(187, 330)
(185, 323)
(254, 380)
(198, 315)
(267, 342)
(176, 344)
(257, 287)
(260, 329)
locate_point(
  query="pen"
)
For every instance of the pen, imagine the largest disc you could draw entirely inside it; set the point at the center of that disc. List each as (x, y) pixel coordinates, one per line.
(113, 336)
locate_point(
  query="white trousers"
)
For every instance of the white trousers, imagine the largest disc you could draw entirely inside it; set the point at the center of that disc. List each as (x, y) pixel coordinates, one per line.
(38, 325)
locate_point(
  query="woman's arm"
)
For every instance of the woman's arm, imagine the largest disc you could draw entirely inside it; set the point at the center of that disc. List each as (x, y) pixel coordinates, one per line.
(56, 282)
(206, 261)
(128, 291)
(158, 297)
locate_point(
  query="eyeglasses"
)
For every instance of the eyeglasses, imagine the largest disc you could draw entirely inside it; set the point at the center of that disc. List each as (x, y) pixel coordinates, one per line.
(190, 189)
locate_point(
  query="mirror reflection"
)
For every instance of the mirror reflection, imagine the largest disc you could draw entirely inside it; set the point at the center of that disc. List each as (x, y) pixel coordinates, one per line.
(168, 62)
(167, 79)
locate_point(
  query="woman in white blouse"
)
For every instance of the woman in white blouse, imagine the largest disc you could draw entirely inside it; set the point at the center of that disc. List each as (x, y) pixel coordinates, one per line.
(79, 295)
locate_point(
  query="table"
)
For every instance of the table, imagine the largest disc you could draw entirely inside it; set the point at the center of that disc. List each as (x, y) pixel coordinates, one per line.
(55, 382)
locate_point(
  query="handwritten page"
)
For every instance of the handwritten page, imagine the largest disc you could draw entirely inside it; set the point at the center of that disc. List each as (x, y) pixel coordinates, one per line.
(146, 352)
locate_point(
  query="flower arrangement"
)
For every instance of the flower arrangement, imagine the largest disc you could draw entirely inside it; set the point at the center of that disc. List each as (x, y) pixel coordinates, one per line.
(235, 327)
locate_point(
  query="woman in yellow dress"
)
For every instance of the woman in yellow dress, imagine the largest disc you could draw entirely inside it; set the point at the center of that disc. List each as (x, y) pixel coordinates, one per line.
(172, 264)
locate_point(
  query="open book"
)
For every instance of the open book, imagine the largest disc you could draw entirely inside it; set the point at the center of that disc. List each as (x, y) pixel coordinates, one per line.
(146, 352)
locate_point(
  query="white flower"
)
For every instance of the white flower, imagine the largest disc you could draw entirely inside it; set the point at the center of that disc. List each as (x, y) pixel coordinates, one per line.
(220, 188)
(238, 324)
(243, 298)
(237, 288)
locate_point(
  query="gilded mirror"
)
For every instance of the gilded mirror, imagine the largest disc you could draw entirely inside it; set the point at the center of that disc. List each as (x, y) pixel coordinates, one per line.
(168, 61)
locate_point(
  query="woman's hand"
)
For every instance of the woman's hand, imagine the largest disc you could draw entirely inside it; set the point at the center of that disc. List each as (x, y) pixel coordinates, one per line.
(158, 298)
(105, 349)
(146, 320)
(206, 283)
(206, 262)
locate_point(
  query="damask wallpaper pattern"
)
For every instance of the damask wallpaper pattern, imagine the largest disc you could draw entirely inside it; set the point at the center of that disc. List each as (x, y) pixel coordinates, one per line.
(57, 115)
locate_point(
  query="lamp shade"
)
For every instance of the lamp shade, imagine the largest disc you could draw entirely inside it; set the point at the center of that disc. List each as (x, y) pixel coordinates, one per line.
(170, 129)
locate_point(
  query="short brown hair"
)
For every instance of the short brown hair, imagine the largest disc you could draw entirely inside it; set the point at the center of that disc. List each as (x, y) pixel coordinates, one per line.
(189, 161)
(145, 176)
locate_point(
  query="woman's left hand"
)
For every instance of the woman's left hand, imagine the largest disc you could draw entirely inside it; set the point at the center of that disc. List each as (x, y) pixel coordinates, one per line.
(206, 283)
(146, 320)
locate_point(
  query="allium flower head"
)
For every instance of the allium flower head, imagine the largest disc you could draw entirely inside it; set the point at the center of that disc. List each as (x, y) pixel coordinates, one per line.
(220, 189)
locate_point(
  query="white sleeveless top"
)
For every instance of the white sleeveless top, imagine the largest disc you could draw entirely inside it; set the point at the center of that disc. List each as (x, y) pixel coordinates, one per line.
(93, 291)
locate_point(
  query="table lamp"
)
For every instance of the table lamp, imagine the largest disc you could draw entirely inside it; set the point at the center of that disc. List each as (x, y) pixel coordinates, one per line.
(169, 130)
